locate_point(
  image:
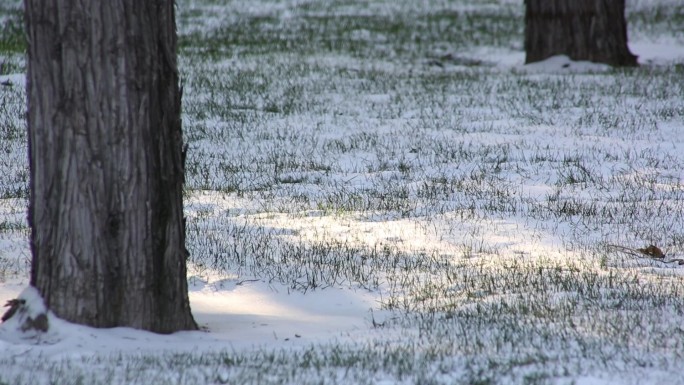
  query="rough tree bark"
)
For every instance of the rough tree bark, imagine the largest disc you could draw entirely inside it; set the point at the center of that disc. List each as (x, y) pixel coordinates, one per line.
(106, 163)
(593, 30)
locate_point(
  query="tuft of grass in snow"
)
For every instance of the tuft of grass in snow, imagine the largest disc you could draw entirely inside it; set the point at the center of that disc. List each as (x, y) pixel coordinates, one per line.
(14, 182)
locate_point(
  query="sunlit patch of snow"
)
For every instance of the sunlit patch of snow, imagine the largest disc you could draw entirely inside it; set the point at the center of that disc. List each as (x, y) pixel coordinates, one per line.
(246, 313)
(447, 234)
(563, 64)
(661, 52)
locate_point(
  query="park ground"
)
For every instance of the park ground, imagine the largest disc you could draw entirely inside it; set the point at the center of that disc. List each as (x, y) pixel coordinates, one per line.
(380, 192)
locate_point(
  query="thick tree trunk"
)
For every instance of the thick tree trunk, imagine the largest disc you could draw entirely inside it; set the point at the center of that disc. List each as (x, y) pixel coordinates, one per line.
(593, 30)
(105, 149)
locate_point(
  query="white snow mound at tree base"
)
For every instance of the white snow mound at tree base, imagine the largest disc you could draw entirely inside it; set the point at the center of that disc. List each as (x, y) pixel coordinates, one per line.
(15, 330)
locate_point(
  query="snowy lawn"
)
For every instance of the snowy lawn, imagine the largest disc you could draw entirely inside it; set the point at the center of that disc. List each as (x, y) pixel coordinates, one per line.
(381, 192)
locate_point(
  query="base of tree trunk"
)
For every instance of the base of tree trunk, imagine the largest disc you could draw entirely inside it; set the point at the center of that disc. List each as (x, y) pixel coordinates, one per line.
(592, 30)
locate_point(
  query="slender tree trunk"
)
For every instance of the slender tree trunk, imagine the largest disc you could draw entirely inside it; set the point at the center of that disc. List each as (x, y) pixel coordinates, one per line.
(106, 162)
(593, 30)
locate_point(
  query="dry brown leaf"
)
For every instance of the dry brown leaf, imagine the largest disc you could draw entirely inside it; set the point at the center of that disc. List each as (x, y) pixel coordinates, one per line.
(652, 251)
(13, 305)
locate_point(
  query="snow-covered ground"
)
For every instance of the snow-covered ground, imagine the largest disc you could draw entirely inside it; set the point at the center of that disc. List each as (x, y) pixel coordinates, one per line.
(381, 192)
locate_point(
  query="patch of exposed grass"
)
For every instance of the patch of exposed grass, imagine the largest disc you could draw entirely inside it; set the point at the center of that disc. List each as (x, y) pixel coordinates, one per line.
(12, 36)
